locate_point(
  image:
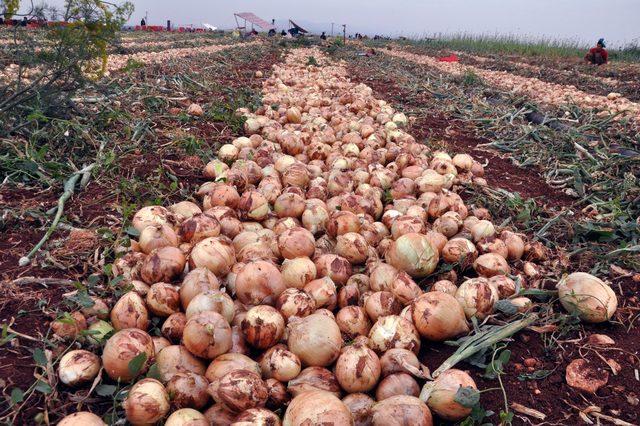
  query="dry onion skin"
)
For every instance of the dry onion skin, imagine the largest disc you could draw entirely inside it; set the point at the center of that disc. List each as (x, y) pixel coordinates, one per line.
(359, 404)
(477, 298)
(440, 394)
(587, 296)
(239, 390)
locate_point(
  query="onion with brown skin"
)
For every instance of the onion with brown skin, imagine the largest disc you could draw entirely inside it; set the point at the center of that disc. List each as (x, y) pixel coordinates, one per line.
(296, 242)
(514, 243)
(477, 297)
(159, 343)
(490, 264)
(404, 288)
(315, 339)
(199, 227)
(263, 326)
(293, 302)
(207, 335)
(147, 402)
(78, 367)
(359, 404)
(157, 236)
(214, 253)
(184, 210)
(212, 300)
(397, 384)
(353, 321)
(401, 410)
(70, 326)
(445, 286)
(413, 254)
(163, 299)
(239, 390)
(278, 395)
(459, 250)
(296, 273)
(81, 418)
(252, 205)
(163, 265)
(130, 311)
(289, 205)
(188, 390)
(226, 363)
(279, 363)
(218, 415)
(381, 303)
(398, 360)
(353, 247)
(323, 292)
(357, 368)
(150, 215)
(123, 347)
(186, 417)
(348, 295)
(393, 331)
(440, 394)
(382, 275)
(221, 194)
(175, 359)
(438, 316)
(197, 281)
(316, 408)
(482, 229)
(335, 267)
(173, 326)
(259, 282)
(314, 378)
(341, 222)
(257, 417)
(587, 296)
(504, 285)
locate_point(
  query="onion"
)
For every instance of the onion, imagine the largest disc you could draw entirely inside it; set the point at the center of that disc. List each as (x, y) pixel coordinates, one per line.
(477, 297)
(352, 246)
(257, 417)
(159, 343)
(226, 363)
(437, 240)
(289, 205)
(397, 384)
(186, 417)
(382, 276)
(157, 236)
(323, 292)
(342, 222)
(173, 326)
(348, 295)
(98, 310)
(359, 404)
(402, 361)
(278, 395)
(314, 378)
(459, 250)
(294, 302)
(263, 326)
(357, 369)
(211, 301)
(413, 254)
(438, 316)
(175, 359)
(78, 367)
(81, 418)
(184, 210)
(123, 347)
(207, 335)
(504, 285)
(150, 215)
(514, 243)
(404, 288)
(381, 303)
(163, 299)
(317, 408)
(239, 390)
(215, 254)
(440, 394)
(587, 296)
(401, 410)
(259, 282)
(482, 229)
(335, 267)
(147, 402)
(188, 390)
(163, 265)
(296, 242)
(197, 281)
(406, 225)
(353, 321)
(493, 245)
(279, 363)
(315, 218)
(490, 264)
(252, 205)
(198, 227)
(130, 311)
(217, 415)
(393, 331)
(315, 339)
(445, 286)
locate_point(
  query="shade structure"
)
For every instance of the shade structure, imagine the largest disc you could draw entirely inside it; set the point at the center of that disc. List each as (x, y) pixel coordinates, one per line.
(255, 20)
(297, 27)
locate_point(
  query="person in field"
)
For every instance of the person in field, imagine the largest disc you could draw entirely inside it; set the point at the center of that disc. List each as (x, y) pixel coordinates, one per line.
(597, 55)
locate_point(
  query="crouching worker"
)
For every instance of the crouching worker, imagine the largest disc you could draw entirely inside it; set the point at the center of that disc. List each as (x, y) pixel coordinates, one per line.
(597, 55)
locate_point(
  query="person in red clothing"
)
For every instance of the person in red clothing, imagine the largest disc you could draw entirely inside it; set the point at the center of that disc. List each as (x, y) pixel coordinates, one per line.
(597, 55)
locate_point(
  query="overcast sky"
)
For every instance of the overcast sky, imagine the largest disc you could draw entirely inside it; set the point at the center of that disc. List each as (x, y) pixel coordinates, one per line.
(586, 20)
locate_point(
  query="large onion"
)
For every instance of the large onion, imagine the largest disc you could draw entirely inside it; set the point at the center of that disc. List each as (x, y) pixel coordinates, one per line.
(263, 326)
(212, 300)
(175, 359)
(229, 362)
(314, 378)
(199, 227)
(298, 272)
(207, 335)
(413, 254)
(397, 384)
(358, 368)
(316, 408)
(360, 405)
(401, 410)
(280, 363)
(163, 265)
(188, 390)
(393, 331)
(157, 236)
(438, 316)
(130, 311)
(353, 321)
(587, 296)
(477, 297)
(150, 215)
(296, 242)
(259, 282)
(197, 281)
(440, 394)
(239, 390)
(315, 339)
(215, 254)
(122, 348)
(163, 299)
(147, 402)
(490, 264)
(294, 302)
(78, 367)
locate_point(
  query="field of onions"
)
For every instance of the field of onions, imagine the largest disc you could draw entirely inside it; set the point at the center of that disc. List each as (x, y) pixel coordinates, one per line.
(326, 258)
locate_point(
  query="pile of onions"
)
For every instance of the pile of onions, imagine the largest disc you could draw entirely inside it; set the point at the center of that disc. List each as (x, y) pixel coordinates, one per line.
(297, 274)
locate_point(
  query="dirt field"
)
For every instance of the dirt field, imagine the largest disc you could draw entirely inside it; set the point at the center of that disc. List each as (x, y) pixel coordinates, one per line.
(150, 151)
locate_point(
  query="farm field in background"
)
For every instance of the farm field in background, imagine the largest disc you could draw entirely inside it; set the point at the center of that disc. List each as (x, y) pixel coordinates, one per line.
(379, 132)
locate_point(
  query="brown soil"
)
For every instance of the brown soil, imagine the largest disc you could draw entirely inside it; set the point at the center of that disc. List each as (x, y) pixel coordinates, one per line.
(33, 306)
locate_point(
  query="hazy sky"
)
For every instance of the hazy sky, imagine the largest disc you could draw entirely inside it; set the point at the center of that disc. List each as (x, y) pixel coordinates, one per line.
(616, 20)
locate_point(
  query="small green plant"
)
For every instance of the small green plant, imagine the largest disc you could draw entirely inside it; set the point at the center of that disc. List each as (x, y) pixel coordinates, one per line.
(312, 61)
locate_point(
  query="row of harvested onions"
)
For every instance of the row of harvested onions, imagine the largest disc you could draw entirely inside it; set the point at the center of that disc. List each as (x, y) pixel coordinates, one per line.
(293, 287)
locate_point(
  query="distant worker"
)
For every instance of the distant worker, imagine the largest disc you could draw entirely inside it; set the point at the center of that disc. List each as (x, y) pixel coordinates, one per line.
(323, 36)
(597, 55)
(24, 22)
(271, 32)
(143, 23)
(283, 33)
